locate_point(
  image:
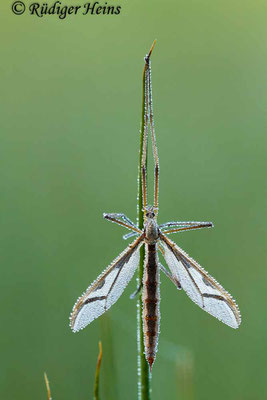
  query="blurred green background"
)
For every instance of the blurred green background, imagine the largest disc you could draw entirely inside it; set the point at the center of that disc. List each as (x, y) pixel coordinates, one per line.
(70, 117)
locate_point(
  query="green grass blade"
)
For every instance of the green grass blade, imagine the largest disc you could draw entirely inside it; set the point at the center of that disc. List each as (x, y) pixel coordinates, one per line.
(143, 376)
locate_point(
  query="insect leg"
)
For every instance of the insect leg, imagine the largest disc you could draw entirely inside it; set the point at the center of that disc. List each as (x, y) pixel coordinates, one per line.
(128, 235)
(186, 226)
(126, 222)
(135, 293)
(161, 249)
(154, 143)
(177, 224)
(169, 275)
(144, 150)
(122, 216)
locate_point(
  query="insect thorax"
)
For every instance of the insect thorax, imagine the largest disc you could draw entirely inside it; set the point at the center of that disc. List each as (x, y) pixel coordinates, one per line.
(151, 230)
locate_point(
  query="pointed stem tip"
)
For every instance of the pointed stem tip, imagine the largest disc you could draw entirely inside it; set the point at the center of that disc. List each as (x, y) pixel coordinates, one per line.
(147, 57)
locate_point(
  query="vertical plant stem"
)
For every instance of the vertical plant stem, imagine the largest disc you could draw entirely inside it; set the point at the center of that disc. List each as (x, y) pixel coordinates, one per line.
(98, 364)
(143, 376)
(47, 387)
(109, 370)
(142, 365)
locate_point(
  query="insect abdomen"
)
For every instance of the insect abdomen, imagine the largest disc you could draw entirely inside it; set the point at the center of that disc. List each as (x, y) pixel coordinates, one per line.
(151, 298)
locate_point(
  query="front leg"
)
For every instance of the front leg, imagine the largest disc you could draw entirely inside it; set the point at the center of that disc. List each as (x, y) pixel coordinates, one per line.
(121, 219)
(184, 226)
(128, 235)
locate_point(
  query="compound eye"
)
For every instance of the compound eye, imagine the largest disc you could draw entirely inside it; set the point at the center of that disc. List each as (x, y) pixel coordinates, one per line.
(153, 215)
(147, 214)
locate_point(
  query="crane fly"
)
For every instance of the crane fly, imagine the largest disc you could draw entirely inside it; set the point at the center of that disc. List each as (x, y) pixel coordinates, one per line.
(183, 271)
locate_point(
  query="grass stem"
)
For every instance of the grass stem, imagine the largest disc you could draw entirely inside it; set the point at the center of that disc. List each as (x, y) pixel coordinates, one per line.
(143, 375)
(98, 365)
(47, 387)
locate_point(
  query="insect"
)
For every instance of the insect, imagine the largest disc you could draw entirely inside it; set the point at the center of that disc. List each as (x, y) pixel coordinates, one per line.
(183, 271)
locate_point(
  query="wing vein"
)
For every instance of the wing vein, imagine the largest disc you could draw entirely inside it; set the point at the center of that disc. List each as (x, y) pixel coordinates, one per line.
(108, 286)
(204, 290)
(190, 276)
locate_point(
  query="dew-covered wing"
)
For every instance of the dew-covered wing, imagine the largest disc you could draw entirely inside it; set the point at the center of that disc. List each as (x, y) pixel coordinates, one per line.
(200, 286)
(107, 288)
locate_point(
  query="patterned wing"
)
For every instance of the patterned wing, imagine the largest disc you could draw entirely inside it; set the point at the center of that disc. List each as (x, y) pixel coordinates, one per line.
(200, 286)
(107, 288)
